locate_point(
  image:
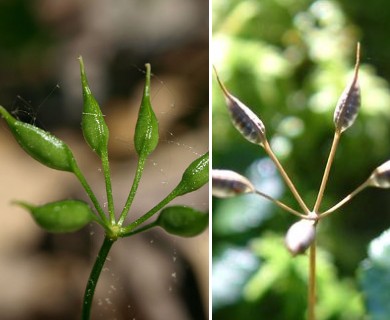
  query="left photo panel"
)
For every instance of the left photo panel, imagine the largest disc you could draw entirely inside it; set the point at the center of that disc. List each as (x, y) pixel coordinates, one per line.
(104, 138)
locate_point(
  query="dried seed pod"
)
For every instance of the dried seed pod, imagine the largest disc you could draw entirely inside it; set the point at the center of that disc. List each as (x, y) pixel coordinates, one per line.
(349, 102)
(300, 236)
(227, 183)
(380, 177)
(243, 118)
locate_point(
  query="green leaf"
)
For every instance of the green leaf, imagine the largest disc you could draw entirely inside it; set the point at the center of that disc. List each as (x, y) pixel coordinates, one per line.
(94, 127)
(183, 221)
(146, 130)
(61, 216)
(41, 145)
(195, 176)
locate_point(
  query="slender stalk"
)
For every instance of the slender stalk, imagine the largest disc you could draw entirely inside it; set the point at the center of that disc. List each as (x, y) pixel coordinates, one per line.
(312, 253)
(107, 179)
(91, 195)
(336, 139)
(312, 282)
(141, 229)
(134, 187)
(281, 205)
(151, 212)
(345, 200)
(285, 177)
(94, 277)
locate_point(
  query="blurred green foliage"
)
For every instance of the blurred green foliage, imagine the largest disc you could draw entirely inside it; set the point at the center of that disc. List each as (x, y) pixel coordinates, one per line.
(289, 62)
(374, 276)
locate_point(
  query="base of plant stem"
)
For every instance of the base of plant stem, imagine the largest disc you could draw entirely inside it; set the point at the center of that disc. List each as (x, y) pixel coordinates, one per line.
(94, 277)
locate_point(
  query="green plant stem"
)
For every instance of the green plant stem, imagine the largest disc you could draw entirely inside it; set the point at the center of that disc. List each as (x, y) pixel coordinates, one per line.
(336, 139)
(139, 230)
(345, 200)
(134, 187)
(88, 190)
(107, 178)
(150, 213)
(94, 277)
(285, 177)
(282, 205)
(312, 282)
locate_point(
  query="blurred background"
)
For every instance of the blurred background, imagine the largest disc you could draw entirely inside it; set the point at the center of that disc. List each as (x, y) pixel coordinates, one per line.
(149, 276)
(289, 61)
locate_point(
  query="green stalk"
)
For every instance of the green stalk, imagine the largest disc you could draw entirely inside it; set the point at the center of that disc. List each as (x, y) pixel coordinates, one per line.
(94, 277)
(88, 190)
(139, 230)
(134, 187)
(107, 178)
(150, 213)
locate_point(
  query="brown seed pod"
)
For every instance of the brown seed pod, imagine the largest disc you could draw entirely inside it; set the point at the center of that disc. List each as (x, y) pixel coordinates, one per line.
(243, 118)
(349, 102)
(380, 177)
(227, 183)
(300, 236)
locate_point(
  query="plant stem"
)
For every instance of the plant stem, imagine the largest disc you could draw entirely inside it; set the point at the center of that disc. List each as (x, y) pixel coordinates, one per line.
(141, 229)
(281, 205)
(107, 179)
(336, 139)
(134, 187)
(285, 177)
(312, 282)
(345, 200)
(150, 213)
(88, 190)
(94, 277)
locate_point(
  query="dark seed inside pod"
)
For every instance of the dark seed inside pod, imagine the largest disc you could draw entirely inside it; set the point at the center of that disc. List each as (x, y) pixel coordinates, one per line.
(348, 107)
(243, 118)
(245, 121)
(380, 178)
(227, 183)
(349, 103)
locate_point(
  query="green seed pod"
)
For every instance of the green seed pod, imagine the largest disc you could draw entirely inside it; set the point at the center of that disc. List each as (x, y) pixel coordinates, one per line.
(243, 118)
(227, 183)
(183, 221)
(40, 144)
(195, 176)
(146, 130)
(61, 216)
(94, 127)
(300, 236)
(349, 103)
(380, 178)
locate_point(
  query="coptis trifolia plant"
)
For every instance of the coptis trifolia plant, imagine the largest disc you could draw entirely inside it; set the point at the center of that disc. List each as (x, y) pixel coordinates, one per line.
(72, 215)
(302, 234)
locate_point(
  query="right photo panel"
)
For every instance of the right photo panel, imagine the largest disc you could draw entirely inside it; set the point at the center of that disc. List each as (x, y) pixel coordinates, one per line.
(301, 159)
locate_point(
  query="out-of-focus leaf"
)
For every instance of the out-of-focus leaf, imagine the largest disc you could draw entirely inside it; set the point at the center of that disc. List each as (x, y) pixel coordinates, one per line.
(231, 269)
(374, 274)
